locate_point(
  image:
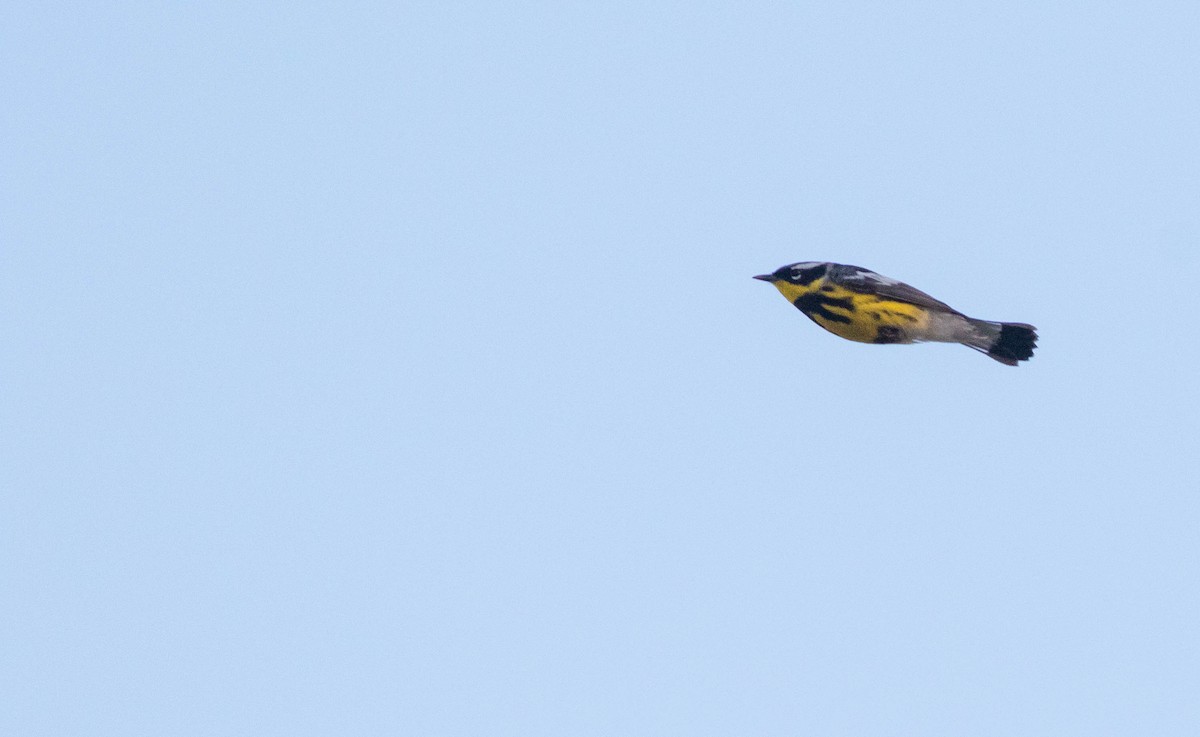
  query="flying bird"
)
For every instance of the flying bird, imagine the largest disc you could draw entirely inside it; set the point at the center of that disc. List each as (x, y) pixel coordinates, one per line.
(857, 304)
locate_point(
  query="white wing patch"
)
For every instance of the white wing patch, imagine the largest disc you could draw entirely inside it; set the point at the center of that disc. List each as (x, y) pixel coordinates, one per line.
(877, 278)
(870, 282)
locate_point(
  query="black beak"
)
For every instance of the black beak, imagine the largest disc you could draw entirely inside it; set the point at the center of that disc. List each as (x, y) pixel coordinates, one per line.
(766, 277)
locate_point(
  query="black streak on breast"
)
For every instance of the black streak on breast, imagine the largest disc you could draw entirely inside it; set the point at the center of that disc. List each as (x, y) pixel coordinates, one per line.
(888, 334)
(814, 304)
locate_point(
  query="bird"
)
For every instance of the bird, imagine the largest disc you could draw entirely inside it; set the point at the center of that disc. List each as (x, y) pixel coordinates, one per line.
(857, 304)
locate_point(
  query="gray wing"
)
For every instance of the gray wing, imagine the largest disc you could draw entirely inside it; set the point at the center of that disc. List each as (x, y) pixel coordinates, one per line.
(866, 281)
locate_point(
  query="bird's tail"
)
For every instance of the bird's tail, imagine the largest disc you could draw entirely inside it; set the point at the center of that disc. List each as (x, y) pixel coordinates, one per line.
(1007, 342)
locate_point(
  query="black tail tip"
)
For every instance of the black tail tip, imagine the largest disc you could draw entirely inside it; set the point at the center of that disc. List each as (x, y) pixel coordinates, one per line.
(1016, 343)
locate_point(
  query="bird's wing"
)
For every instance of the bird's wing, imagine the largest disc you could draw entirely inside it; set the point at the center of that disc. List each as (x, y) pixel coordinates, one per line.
(868, 282)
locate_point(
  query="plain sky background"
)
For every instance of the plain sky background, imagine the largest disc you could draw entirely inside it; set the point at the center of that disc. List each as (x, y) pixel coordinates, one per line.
(396, 369)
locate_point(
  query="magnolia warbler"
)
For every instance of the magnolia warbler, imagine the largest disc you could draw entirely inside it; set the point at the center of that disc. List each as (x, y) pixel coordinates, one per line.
(860, 305)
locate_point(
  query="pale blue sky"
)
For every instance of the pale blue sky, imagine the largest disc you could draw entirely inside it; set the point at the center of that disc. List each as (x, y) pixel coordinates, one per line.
(396, 369)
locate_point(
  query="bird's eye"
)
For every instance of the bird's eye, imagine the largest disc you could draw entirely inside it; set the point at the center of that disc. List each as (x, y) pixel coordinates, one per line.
(803, 275)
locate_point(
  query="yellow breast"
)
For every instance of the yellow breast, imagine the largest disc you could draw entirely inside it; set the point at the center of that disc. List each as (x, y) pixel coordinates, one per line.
(866, 318)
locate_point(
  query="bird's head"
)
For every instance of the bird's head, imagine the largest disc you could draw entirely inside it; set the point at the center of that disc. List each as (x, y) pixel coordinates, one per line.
(802, 274)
